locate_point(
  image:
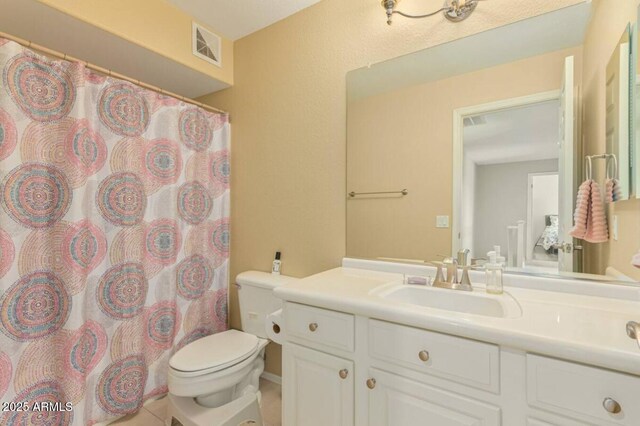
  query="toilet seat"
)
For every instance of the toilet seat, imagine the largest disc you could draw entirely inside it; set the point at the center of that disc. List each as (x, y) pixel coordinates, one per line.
(214, 353)
(216, 378)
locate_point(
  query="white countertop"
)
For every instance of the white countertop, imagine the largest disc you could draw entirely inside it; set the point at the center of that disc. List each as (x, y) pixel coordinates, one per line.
(582, 328)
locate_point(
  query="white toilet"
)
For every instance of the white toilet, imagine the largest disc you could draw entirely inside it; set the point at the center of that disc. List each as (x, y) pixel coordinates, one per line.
(214, 380)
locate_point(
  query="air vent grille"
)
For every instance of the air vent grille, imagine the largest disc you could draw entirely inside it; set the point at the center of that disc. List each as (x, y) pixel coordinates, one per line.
(206, 45)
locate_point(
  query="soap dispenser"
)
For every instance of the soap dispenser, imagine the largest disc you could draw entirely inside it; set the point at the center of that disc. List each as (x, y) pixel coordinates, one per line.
(493, 274)
(499, 259)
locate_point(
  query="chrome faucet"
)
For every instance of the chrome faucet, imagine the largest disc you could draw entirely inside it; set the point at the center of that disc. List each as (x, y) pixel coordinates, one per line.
(452, 270)
(463, 257)
(451, 282)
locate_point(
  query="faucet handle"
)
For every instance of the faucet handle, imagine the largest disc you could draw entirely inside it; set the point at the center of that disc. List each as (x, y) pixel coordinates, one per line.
(439, 277)
(450, 261)
(465, 276)
(452, 270)
(463, 257)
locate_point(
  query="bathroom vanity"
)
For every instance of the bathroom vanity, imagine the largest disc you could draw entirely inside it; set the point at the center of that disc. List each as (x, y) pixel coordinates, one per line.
(363, 348)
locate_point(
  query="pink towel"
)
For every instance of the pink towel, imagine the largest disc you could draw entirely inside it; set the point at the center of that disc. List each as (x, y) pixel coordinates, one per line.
(582, 209)
(590, 223)
(597, 230)
(612, 190)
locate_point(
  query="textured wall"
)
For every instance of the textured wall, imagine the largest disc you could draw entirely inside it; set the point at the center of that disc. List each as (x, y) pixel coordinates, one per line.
(607, 24)
(288, 112)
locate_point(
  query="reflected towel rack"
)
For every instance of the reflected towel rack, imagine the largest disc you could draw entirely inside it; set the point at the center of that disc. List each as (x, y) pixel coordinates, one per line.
(403, 193)
(589, 166)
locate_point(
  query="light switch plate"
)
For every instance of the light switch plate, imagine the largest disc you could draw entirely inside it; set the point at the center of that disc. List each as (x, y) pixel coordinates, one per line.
(442, 221)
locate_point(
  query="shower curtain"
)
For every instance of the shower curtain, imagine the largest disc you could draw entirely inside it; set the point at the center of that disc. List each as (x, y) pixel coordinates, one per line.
(114, 239)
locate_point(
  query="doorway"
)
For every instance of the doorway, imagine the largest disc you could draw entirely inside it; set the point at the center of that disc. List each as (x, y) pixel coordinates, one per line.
(502, 146)
(542, 220)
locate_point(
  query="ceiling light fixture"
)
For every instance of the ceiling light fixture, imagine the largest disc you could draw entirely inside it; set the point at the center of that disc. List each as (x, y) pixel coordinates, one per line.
(453, 10)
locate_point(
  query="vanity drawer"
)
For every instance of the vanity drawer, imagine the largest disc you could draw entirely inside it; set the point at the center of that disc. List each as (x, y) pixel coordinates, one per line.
(457, 359)
(323, 327)
(579, 391)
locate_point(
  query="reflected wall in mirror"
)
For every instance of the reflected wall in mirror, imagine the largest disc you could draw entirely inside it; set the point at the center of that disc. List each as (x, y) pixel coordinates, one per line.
(488, 139)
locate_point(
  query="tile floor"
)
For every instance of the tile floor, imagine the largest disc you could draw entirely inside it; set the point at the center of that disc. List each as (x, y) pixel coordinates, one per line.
(152, 414)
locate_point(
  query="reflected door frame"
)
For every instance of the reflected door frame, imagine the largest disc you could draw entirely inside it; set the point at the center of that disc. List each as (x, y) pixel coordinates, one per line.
(530, 235)
(458, 148)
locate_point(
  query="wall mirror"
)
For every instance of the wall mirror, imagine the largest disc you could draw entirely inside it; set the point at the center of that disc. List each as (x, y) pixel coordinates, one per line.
(478, 143)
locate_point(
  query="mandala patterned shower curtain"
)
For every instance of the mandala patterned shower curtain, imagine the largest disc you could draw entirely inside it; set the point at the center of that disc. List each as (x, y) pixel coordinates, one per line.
(114, 238)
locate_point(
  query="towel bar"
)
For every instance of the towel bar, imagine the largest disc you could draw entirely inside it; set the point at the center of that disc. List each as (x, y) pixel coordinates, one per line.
(589, 166)
(403, 192)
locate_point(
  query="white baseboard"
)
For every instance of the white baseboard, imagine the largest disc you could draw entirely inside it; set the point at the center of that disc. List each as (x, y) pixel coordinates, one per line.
(271, 377)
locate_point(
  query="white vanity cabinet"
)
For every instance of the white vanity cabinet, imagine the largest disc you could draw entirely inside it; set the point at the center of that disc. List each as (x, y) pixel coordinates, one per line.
(319, 388)
(319, 381)
(344, 369)
(321, 361)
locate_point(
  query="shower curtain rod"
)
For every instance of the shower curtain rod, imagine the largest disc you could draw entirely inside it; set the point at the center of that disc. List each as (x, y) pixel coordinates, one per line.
(29, 44)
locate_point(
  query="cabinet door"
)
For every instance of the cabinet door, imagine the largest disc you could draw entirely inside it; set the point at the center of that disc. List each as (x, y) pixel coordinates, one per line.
(396, 401)
(317, 388)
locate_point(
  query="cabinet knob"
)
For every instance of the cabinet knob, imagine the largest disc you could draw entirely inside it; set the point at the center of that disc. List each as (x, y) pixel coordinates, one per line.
(343, 373)
(423, 355)
(611, 405)
(313, 326)
(371, 383)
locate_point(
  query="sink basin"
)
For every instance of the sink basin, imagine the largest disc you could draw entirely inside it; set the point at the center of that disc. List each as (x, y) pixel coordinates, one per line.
(475, 303)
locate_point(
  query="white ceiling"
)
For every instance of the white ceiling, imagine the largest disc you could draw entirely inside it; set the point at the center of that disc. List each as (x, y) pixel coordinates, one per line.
(235, 19)
(519, 134)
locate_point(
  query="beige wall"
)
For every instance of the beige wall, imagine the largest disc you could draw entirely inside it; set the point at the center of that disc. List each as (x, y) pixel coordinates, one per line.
(403, 139)
(607, 24)
(154, 24)
(288, 110)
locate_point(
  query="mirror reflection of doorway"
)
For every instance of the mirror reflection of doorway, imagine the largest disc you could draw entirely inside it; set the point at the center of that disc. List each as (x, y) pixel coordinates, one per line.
(542, 221)
(511, 184)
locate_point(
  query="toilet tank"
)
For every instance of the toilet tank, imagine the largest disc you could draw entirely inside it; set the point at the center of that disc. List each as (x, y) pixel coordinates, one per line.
(255, 294)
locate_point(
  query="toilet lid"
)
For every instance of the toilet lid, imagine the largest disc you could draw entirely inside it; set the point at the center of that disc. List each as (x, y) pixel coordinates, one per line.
(219, 350)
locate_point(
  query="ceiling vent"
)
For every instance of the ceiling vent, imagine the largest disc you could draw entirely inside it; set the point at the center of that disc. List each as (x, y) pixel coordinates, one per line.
(207, 45)
(474, 121)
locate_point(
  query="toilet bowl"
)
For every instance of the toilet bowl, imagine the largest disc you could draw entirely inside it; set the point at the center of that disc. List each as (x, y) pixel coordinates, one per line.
(215, 380)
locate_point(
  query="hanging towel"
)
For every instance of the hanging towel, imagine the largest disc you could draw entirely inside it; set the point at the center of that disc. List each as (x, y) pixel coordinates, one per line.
(612, 190)
(597, 230)
(582, 209)
(590, 223)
